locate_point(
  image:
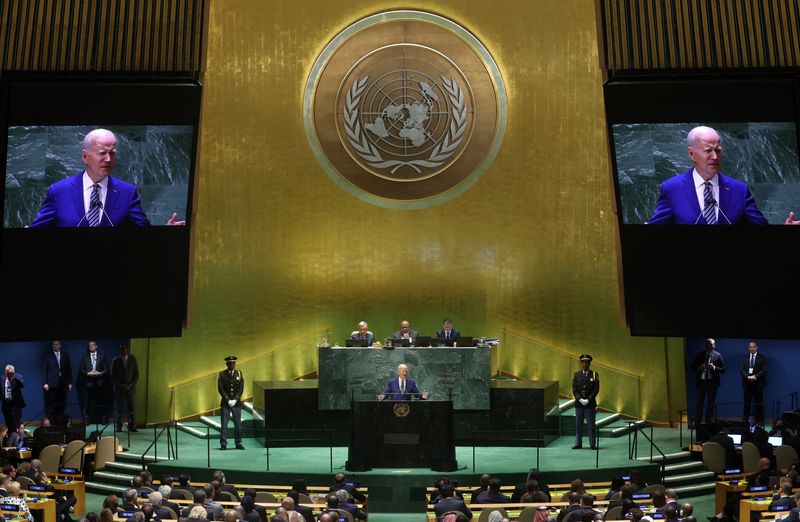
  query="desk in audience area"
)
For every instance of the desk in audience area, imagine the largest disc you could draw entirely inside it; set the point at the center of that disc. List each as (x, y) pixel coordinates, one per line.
(360, 374)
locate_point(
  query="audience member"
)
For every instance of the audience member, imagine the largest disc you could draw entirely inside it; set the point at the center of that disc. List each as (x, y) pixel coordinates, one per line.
(341, 483)
(492, 495)
(261, 510)
(250, 514)
(306, 512)
(166, 493)
(533, 494)
(129, 500)
(451, 503)
(637, 481)
(214, 509)
(13, 498)
(586, 511)
(106, 515)
(764, 474)
(522, 489)
(483, 485)
(348, 506)
(616, 485)
(574, 500)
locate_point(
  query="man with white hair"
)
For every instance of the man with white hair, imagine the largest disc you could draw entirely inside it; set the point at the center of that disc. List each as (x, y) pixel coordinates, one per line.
(344, 503)
(363, 334)
(165, 492)
(94, 198)
(402, 387)
(11, 384)
(703, 195)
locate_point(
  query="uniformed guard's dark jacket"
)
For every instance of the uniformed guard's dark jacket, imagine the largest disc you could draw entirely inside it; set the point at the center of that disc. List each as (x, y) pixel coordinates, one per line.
(585, 387)
(230, 387)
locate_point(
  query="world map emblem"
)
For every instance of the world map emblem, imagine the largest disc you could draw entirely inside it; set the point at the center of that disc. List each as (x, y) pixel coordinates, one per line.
(405, 109)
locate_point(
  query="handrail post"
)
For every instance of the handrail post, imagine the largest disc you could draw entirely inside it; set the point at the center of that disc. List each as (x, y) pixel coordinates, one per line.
(330, 447)
(208, 445)
(266, 445)
(155, 441)
(473, 451)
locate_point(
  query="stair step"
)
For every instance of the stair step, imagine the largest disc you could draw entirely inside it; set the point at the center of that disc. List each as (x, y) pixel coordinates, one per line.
(669, 456)
(208, 421)
(101, 488)
(137, 457)
(111, 476)
(191, 430)
(695, 489)
(698, 475)
(605, 421)
(124, 467)
(624, 430)
(683, 466)
(248, 405)
(569, 403)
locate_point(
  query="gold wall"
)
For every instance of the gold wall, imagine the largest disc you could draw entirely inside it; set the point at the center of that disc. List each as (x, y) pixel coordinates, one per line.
(282, 253)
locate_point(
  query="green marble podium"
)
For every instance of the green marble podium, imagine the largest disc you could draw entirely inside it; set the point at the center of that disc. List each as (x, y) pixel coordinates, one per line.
(361, 374)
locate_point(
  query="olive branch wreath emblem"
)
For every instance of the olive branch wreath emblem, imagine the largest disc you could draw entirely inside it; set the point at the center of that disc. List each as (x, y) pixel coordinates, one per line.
(370, 153)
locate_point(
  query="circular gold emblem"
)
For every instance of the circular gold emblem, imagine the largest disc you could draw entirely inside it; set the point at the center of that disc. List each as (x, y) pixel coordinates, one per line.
(405, 109)
(401, 409)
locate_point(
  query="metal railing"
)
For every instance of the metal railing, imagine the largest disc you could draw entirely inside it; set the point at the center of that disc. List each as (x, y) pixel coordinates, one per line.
(172, 442)
(560, 365)
(633, 447)
(778, 403)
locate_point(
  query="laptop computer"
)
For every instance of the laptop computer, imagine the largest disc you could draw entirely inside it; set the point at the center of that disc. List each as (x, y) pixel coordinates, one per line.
(359, 343)
(776, 441)
(737, 439)
(422, 340)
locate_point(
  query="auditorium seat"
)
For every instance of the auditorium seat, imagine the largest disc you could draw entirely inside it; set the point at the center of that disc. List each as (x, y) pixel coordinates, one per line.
(106, 451)
(785, 456)
(614, 513)
(226, 495)
(652, 488)
(184, 494)
(304, 499)
(528, 514)
(174, 516)
(146, 489)
(265, 496)
(714, 457)
(50, 457)
(24, 481)
(73, 455)
(750, 457)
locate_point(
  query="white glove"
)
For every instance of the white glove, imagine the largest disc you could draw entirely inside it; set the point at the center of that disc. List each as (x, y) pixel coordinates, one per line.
(231, 402)
(584, 402)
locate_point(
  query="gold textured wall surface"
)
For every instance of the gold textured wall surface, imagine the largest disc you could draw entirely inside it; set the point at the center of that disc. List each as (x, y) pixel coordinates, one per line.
(283, 254)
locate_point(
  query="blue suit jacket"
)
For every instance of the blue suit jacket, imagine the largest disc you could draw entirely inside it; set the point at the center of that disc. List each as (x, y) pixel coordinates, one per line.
(392, 391)
(63, 205)
(677, 203)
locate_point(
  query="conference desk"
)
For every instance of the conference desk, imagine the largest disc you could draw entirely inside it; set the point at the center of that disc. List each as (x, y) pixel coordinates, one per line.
(747, 506)
(401, 434)
(76, 488)
(46, 508)
(721, 490)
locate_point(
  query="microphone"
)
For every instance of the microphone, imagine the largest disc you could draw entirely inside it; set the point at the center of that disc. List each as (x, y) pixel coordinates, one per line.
(714, 203)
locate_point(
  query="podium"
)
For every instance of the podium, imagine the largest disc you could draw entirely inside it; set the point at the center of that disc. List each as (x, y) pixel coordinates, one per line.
(401, 434)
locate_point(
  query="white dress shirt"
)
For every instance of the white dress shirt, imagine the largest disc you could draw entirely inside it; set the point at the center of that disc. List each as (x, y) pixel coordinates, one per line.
(87, 191)
(699, 186)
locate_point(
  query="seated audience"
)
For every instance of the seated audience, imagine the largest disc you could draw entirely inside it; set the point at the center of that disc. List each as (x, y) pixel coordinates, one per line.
(250, 514)
(340, 482)
(586, 510)
(574, 500)
(13, 489)
(450, 502)
(166, 493)
(764, 474)
(345, 504)
(107, 515)
(305, 512)
(616, 485)
(129, 500)
(492, 495)
(637, 481)
(521, 489)
(533, 494)
(483, 485)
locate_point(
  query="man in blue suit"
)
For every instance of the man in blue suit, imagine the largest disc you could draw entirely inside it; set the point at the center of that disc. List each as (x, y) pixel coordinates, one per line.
(57, 379)
(402, 387)
(703, 195)
(94, 198)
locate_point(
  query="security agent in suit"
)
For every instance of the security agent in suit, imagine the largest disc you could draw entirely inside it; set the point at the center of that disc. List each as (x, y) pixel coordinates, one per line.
(11, 384)
(405, 332)
(753, 370)
(448, 332)
(57, 379)
(585, 387)
(363, 334)
(125, 375)
(708, 365)
(230, 385)
(94, 370)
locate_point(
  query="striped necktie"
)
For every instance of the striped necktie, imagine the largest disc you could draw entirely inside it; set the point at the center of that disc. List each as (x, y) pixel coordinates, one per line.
(709, 212)
(93, 217)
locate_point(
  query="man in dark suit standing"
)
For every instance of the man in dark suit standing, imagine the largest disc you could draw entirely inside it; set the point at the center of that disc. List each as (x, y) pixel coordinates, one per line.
(448, 333)
(11, 383)
(754, 379)
(57, 378)
(585, 387)
(230, 384)
(708, 365)
(93, 371)
(125, 375)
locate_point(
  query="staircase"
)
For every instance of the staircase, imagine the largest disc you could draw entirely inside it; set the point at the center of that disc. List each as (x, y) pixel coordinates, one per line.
(116, 476)
(620, 425)
(685, 475)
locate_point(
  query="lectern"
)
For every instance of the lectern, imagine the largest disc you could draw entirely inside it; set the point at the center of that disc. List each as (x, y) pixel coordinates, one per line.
(401, 434)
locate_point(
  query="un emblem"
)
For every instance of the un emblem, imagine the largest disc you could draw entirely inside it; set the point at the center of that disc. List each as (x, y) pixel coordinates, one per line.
(405, 109)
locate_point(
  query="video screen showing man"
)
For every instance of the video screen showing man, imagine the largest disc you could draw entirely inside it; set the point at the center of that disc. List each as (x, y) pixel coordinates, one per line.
(402, 387)
(143, 173)
(703, 195)
(753, 171)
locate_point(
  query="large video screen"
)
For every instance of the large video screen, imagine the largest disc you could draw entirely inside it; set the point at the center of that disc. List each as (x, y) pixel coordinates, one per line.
(762, 155)
(154, 159)
(93, 172)
(681, 275)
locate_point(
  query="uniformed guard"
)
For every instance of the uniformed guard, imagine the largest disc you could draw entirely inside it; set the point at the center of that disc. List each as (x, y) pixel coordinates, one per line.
(230, 384)
(585, 386)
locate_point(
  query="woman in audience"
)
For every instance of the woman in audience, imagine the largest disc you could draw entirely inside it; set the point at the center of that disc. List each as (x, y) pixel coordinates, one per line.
(13, 498)
(198, 513)
(638, 482)
(533, 494)
(111, 502)
(299, 485)
(107, 515)
(616, 485)
(248, 504)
